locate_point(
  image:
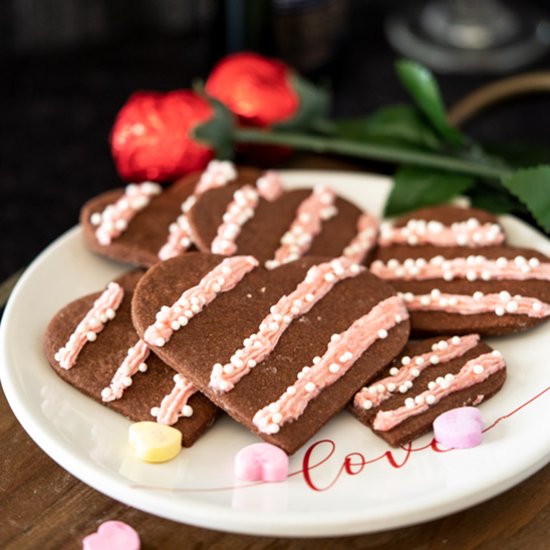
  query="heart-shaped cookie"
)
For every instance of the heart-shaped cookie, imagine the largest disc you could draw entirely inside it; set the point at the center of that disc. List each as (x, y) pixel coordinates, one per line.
(91, 343)
(143, 224)
(455, 290)
(428, 378)
(281, 351)
(236, 219)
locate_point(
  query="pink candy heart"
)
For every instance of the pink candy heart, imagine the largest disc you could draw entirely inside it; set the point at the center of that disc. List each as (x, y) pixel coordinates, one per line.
(112, 535)
(261, 462)
(459, 428)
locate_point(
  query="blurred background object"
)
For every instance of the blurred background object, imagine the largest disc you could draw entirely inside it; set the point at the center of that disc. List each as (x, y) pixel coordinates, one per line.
(470, 35)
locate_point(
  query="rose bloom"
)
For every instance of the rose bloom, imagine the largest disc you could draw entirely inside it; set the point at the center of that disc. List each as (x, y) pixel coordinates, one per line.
(150, 139)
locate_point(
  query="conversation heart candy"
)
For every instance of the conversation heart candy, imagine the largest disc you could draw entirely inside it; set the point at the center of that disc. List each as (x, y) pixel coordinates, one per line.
(154, 442)
(112, 535)
(459, 428)
(261, 462)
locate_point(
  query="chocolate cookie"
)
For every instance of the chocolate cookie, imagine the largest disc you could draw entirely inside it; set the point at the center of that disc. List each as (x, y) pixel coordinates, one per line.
(143, 223)
(427, 379)
(281, 228)
(455, 290)
(106, 360)
(281, 351)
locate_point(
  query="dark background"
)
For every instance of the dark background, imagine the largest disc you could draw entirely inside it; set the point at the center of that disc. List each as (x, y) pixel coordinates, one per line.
(67, 66)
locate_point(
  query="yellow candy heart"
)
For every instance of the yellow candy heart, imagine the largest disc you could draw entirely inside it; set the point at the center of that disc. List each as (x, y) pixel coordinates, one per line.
(154, 442)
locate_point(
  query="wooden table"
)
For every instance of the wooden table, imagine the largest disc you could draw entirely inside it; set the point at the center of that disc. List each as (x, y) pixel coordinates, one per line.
(43, 506)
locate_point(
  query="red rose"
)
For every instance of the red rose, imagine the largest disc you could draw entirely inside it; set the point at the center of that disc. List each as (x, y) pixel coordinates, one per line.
(257, 89)
(151, 139)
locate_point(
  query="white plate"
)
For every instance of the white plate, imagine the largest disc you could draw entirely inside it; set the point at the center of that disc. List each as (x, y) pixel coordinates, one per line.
(198, 487)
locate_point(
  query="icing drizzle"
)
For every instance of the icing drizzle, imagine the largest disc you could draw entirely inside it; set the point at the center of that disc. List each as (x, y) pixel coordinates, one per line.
(473, 372)
(319, 280)
(342, 352)
(401, 379)
(362, 243)
(174, 405)
(103, 310)
(222, 278)
(315, 209)
(416, 232)
(217, 174)
(238, 212)
(500, 304)
(114, 219)
(133, 362)
(471, 268)
(269, 186)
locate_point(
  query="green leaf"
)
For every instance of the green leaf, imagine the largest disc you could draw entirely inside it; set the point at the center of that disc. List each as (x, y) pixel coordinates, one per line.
(218, 131)
(519, 154)
(313, 109)
(488, 198)
(422, 86)
(418, 187)
(398, 123)
(532, 187)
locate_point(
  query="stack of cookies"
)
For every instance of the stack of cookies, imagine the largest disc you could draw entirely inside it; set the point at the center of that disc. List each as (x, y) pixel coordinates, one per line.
(283, 307)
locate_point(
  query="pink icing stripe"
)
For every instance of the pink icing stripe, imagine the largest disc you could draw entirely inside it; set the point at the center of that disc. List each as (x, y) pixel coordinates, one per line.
(133, 362)
(468, 233)
(174, 405)
(114, 219)
(401, 379)
(318, 207)
(103, 310)
(471, 268)
(362, 243)
(180, 237)
(222, 278)
(239, 211)
(473, 372)
(269, 186)
(319, 280)
(500, 304)
(217, 174)
(342, 352)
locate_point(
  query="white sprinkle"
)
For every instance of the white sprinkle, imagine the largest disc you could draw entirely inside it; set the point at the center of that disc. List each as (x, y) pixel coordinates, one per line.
(430, 399)
(434, 359)
(394, 371)
(478, 369)
(382, 333)
(419, 360)
(500, 311)
(187, 411)
(409, 402)
(91, 336)
(455, 340)
(334, 368)
(309, 387)
(367, 404)
(415, 372)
